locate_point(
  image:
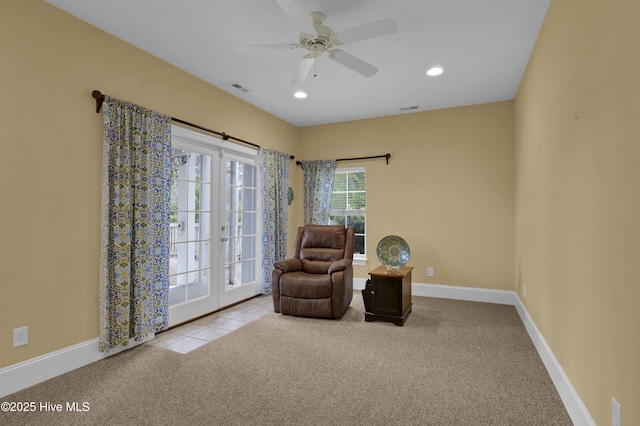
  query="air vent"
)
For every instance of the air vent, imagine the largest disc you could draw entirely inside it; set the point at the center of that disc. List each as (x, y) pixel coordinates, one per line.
(409, 108)
(240, 87)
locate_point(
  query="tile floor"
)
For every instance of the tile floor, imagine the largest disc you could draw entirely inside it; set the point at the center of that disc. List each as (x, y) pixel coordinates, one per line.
(192, 335)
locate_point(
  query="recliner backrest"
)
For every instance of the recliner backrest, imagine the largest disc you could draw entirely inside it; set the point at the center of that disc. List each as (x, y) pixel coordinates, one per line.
(320, 245)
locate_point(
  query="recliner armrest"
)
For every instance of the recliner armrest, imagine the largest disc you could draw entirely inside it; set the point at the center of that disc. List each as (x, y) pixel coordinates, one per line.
(289, 265)
(340, 265)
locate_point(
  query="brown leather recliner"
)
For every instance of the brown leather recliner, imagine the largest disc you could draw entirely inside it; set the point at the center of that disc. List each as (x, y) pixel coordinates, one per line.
(318, 280)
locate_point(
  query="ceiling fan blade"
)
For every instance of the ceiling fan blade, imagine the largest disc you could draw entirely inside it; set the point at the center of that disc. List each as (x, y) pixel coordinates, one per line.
(279, 46)
(366, 31)
(353, 62)
(303, 69)
(293, 10)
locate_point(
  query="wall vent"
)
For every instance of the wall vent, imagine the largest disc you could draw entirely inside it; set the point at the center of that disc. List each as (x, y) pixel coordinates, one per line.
(240, 87)
(409, 108)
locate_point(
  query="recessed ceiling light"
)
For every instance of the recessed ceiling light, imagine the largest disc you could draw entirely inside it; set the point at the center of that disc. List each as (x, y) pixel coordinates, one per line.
(300, 94)
(434, 71)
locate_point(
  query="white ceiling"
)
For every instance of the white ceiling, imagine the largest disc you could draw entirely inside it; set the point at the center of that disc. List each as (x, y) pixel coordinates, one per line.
(484, 46)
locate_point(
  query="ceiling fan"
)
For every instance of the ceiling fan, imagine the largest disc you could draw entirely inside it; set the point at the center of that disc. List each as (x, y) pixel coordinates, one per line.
(325, 40)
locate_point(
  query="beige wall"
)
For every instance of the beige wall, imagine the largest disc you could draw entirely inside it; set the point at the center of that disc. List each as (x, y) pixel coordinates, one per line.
(578, 198)
(50, 153)
(448, 189)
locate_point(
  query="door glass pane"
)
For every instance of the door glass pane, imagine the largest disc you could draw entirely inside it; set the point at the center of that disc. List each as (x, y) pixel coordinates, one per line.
(249, 223)
(202, 196)
(232, 257)
(204, 166)
(189, 272)
(240, 223)
(248, 248)
(248, 271)
(227, 221)
(249, 177)
(203, 225)
(249, 198)
(234, 198)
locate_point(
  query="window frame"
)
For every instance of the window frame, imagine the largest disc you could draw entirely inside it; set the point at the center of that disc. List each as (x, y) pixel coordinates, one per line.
(358, 259)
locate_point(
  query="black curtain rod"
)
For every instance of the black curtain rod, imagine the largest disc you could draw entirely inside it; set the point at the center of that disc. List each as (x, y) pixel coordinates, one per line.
(387, 156)
(99, 97)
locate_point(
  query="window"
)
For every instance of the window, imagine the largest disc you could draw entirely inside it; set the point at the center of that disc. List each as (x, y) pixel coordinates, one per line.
(348, 206)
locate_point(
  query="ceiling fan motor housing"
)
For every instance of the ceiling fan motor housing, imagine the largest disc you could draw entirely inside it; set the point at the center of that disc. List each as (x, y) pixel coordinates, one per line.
(324, 39)
(315, 43)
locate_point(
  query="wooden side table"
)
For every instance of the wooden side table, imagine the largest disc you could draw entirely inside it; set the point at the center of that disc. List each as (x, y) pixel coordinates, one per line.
(387, 295)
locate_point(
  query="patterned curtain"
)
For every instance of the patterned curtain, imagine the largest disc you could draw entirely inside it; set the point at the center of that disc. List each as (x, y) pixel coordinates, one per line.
(274, 172)
(318, 189)
(136, 185)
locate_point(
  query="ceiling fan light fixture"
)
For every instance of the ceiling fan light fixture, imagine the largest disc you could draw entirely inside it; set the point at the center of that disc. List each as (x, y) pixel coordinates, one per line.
(300, 94)
(435, 71)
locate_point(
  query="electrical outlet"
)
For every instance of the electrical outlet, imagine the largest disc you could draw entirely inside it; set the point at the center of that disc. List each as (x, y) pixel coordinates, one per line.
(20, 336)
(616, 413)
(429, 272)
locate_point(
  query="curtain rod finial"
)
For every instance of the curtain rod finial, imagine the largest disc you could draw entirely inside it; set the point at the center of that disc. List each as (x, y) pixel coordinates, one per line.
(99, 97)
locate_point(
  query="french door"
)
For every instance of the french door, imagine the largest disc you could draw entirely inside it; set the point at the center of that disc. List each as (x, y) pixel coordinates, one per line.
(214, 248)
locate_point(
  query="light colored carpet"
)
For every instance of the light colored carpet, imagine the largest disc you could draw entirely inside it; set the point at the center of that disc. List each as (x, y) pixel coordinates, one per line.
(453, 363)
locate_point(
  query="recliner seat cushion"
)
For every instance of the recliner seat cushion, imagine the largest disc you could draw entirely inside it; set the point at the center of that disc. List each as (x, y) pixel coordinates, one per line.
(315, 266)
(305, 286)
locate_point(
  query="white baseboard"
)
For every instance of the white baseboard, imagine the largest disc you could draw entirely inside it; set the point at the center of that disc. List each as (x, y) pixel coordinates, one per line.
(573, 403)
(358, 283)
(502, 297)
(36, 370)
